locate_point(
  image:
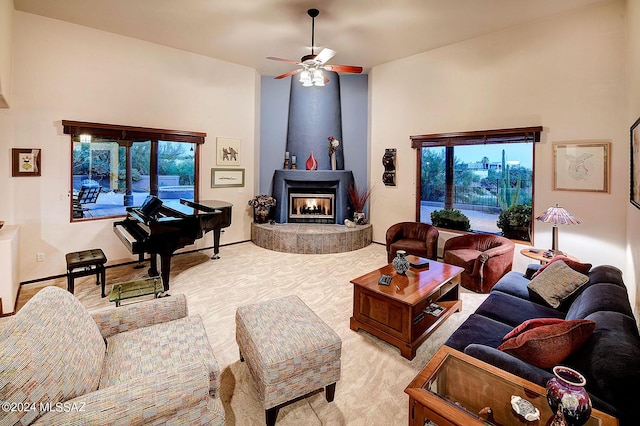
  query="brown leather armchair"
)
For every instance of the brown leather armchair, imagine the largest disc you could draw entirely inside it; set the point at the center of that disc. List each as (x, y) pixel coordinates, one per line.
(484, 257)
(419, 239)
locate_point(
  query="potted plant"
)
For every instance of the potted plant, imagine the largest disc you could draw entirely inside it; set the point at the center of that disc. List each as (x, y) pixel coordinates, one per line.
(515, 222)
(358, 200)
(262, 205)
(450, 219)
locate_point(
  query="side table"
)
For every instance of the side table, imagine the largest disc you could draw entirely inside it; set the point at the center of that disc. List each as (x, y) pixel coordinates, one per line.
(538, 254)
(453, 388)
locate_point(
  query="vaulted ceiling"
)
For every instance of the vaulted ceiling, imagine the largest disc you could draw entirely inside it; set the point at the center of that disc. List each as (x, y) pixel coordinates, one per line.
(362, 32)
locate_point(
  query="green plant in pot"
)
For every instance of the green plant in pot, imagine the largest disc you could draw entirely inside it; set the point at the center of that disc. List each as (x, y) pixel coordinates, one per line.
(515, 222)
(450, 219)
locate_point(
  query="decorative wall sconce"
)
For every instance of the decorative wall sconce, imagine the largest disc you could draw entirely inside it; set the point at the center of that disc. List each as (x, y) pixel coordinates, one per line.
(389, 163)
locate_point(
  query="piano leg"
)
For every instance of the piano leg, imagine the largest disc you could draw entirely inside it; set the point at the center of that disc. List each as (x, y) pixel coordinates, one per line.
(140, 265)
(153, 265)
(216, 243)
(165, 270)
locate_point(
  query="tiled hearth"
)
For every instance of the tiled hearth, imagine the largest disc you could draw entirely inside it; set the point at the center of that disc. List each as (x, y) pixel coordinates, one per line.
(310, 238)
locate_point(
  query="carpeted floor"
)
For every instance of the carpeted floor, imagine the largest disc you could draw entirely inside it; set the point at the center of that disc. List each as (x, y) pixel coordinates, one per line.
(374, 375)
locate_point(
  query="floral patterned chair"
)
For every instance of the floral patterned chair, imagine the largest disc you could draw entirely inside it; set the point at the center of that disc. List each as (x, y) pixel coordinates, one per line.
(144, 363)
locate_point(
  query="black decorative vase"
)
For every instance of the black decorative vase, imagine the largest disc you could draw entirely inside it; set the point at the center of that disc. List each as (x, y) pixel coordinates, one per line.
(400, 262)
(567, 390)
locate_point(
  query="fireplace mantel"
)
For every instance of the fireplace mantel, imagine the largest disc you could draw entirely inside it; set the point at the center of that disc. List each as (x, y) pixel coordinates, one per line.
(338, 179)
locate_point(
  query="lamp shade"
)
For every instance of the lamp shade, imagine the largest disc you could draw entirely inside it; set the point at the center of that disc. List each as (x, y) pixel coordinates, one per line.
(557, 215)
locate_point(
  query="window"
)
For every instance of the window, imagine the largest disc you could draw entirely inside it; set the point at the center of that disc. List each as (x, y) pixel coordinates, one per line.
(114, 167)
(480, 174)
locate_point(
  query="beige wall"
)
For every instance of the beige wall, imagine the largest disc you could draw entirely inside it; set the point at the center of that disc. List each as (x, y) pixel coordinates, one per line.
(65, 71)
(6, 28)
(565, 73)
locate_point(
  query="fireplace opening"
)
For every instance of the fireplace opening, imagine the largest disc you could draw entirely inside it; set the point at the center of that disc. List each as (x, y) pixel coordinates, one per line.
(311, 206)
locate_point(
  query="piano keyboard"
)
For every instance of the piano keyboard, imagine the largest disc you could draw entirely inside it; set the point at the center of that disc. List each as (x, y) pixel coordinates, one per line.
(125, 236)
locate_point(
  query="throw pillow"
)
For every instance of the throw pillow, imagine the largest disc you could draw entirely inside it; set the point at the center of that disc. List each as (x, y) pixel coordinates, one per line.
(546, 346)
(583, 268)
(556, 283)
(530, 325)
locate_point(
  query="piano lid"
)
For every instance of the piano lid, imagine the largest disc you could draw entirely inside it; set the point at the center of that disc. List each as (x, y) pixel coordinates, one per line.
(207, 205)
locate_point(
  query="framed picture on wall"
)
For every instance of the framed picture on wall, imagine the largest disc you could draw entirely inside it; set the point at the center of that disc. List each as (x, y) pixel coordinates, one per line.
(225, 178)
(581, 166)
(25, 162)
(635, 164)
(227, 152)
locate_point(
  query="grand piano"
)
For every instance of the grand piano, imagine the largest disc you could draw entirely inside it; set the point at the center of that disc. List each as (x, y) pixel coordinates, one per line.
(160, 228)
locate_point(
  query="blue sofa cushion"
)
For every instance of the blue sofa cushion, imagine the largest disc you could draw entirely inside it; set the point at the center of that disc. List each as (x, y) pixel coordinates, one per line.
(513, 283)
(509, 363)
(600, 297)
(478, 329)
(610, 362)
(512, 310)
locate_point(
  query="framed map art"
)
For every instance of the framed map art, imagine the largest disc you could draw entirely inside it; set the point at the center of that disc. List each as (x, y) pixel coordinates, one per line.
(581, 166)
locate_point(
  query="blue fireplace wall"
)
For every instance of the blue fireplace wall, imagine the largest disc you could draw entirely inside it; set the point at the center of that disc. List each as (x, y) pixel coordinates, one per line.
(315, 114)
(274, 122)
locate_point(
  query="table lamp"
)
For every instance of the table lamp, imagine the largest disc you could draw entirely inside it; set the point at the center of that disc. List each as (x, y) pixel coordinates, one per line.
(557, 215)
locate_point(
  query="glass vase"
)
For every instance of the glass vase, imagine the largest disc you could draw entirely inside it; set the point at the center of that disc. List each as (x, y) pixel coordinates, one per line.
(261, 214)
(566, 390)
(400, 262)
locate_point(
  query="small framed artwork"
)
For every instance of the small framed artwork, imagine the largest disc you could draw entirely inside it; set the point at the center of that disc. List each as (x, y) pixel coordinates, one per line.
(227, 152)
(25, 162)
(226, 178)
(581, 166)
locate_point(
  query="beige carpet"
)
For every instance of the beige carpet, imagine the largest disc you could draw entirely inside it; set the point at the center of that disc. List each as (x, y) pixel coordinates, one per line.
(374, 375)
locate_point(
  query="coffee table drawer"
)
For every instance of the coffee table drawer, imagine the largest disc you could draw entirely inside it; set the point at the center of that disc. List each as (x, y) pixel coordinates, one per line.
(385, 313)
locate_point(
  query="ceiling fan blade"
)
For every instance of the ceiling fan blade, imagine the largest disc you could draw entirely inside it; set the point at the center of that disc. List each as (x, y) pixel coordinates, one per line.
(343, 68)
(289, 61)
(325, 55)
(294, 72)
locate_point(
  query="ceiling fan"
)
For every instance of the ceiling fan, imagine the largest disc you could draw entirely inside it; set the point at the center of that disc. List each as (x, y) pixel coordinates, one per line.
(312, 65)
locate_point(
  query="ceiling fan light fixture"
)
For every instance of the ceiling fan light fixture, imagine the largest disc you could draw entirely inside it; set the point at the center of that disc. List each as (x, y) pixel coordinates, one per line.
(311, 72)
(318, 78)
(305, 76)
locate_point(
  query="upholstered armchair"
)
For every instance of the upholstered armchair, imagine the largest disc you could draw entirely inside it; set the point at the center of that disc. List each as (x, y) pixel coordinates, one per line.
(143, 363)
(484, 257)
(417, 238)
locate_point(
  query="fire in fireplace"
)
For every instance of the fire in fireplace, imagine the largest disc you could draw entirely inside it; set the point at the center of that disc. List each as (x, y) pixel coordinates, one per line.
(311, 206)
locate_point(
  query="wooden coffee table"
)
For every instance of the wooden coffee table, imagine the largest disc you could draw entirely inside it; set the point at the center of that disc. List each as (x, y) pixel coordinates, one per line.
(395, 313)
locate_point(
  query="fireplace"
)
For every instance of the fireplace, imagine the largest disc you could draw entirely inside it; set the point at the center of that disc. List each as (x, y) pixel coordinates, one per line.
(311, 206)
(327, 186)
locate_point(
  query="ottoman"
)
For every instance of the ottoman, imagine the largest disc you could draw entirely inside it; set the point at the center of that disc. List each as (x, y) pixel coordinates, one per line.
(289, 351)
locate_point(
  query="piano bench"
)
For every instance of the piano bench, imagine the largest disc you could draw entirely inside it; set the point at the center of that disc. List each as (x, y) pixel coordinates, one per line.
(85, 263)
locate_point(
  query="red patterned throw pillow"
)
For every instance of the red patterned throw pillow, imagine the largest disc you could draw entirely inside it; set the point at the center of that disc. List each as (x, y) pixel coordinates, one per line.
(583, 268)
(546, 342)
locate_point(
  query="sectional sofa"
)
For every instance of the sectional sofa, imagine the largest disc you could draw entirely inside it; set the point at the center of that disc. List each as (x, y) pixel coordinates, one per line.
(598, 334)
